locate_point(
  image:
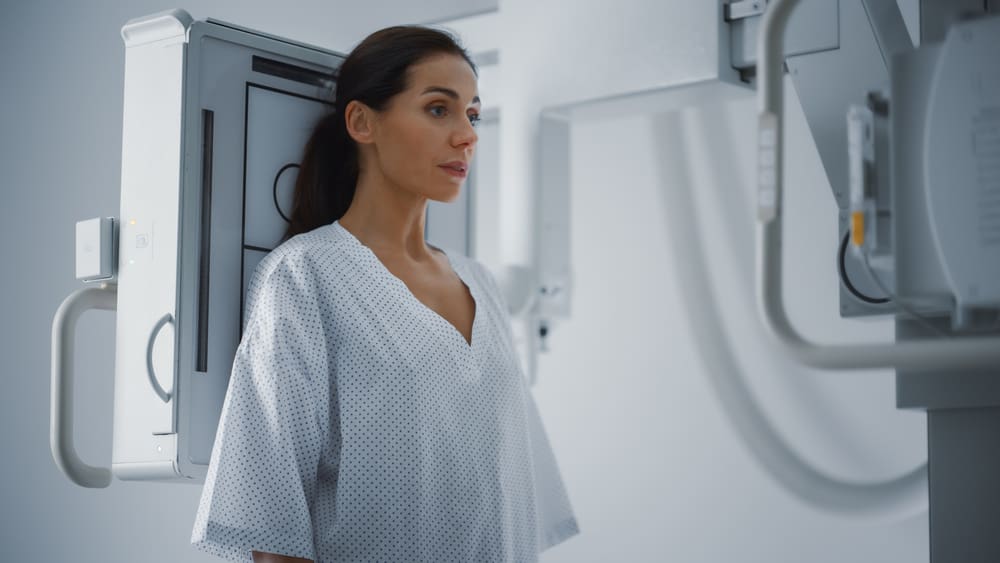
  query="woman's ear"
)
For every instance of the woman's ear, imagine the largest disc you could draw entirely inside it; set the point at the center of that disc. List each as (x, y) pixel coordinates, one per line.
(360, 121)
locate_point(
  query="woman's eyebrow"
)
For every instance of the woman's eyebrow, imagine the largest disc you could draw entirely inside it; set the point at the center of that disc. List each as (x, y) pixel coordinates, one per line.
(447, 92)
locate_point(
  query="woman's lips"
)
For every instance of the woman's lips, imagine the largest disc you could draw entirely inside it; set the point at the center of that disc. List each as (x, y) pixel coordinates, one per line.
(453, 171)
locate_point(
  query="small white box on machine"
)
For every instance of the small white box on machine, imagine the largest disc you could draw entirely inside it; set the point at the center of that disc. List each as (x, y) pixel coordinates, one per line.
(95, 249)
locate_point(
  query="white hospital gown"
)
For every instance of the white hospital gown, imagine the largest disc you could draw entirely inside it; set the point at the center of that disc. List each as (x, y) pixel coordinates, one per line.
(359, 425)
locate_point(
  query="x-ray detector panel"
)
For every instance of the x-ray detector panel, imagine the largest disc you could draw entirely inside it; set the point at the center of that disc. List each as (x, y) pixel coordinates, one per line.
(215, 121)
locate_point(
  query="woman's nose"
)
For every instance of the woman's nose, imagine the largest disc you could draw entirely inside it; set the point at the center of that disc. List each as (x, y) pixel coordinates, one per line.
(466, 134)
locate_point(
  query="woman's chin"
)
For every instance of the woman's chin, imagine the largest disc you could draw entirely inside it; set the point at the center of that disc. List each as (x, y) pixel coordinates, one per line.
(447, 195)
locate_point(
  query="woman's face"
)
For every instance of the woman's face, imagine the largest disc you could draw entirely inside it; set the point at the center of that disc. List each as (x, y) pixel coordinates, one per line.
(427, 130)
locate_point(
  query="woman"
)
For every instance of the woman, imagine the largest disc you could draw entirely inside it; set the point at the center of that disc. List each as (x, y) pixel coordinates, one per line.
(376, 410)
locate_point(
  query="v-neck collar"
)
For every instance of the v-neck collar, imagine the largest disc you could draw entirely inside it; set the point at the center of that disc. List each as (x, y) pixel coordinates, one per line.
(456, 266)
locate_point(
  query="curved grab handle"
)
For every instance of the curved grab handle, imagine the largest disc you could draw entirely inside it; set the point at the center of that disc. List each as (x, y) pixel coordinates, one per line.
(61, 403)
(168, 318)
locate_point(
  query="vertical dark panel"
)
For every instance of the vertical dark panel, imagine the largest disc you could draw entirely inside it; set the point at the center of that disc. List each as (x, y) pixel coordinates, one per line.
(963, 465)
(208, 133)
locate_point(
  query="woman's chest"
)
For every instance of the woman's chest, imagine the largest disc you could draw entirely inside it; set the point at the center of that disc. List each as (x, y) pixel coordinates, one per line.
(389, 349)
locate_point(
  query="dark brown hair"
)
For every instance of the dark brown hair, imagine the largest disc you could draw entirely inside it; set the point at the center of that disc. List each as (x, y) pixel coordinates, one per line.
(374, 72)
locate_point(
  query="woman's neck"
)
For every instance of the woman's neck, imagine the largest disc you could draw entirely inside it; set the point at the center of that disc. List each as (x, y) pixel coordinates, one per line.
(388, 220)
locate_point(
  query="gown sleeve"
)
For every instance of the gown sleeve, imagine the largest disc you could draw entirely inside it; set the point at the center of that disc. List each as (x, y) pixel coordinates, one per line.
(260, 486)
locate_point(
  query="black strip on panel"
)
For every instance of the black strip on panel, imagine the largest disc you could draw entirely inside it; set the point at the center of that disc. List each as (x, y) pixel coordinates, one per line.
(208, 134)
(243, 217)
(292, 72)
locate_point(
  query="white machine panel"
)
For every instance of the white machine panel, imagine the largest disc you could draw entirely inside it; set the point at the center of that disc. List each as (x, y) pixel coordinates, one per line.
(148, 260)
(946, 185)
(963, 178)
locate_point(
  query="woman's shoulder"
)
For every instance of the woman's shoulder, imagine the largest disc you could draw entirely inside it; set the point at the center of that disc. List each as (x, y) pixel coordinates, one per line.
(305, 260)
(319, 248)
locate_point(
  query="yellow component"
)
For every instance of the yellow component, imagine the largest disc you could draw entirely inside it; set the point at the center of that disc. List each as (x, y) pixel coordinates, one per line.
(858, 228)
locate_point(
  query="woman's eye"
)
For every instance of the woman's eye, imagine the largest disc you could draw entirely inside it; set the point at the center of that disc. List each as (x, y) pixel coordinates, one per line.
(474, 119)
(440, 108)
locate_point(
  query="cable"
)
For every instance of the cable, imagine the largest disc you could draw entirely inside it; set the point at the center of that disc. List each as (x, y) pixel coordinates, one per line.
(842, 270)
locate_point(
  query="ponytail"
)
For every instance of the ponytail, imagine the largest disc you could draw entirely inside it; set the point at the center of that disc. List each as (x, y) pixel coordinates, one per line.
(327, 179)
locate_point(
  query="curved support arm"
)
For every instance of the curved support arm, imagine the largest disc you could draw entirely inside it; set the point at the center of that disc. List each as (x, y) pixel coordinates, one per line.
(919, 355)
(61, 404)
(887, 500)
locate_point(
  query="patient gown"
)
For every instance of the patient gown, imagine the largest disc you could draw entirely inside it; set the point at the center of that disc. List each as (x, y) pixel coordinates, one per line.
(360, 425)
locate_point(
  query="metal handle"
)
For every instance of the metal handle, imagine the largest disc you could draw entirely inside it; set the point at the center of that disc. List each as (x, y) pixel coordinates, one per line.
(61, 403)
(168, 318)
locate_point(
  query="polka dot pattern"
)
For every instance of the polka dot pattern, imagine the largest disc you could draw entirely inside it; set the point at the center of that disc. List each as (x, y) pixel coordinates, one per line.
(360, 425)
